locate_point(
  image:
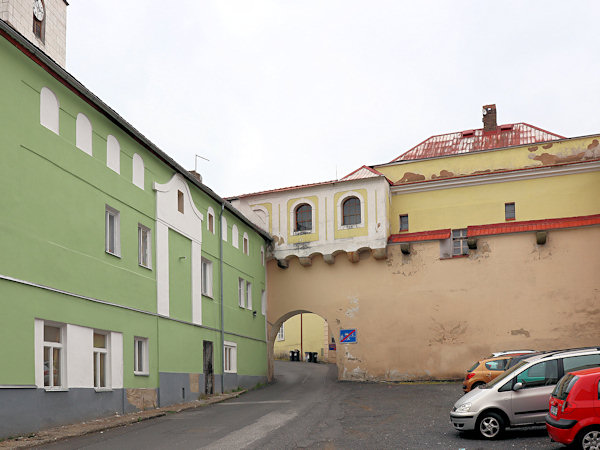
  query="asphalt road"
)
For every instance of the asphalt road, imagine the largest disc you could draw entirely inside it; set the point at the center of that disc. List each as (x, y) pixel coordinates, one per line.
(308, 408)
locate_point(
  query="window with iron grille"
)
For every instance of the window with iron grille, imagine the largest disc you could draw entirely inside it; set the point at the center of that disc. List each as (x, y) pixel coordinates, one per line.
(509, 211)
(404, 222)
(303, 216)
(351, 211)
(459, 242)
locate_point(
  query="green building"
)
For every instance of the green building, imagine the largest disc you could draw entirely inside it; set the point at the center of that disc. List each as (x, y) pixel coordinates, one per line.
(125, 283)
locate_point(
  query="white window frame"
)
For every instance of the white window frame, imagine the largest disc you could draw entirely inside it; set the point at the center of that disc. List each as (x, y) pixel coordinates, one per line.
(207, 277)
(224, 228)
(62, 359)
(262, 255)
(292, 219)
(248, 295)
(263, 302)
(241, 294)
(141, 230)
(230, 357)
(210, 220)
(235, 238)
(98, 351)
(281, 333)
(459, 235)
(109, 211)
(140, 344)
(340, 210)
(246, 244)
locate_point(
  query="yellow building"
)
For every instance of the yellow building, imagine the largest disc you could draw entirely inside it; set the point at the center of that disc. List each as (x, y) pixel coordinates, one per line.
(304, 332)
(470, 242)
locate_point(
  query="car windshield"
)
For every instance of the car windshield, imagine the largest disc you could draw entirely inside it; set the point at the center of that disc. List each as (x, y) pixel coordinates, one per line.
(504, 376)
(564, 386)
(474, 367)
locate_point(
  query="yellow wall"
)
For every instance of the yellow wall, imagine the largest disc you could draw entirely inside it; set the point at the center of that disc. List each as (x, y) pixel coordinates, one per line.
(313, 338)
(354, 231)
(540, 198)
(508, 159)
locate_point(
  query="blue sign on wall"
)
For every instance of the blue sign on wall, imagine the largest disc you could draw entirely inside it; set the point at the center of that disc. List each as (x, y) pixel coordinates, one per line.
(348, 336)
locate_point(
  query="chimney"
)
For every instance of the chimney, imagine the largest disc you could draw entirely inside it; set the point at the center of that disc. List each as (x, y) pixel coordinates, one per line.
(196, 175)
(489, 118)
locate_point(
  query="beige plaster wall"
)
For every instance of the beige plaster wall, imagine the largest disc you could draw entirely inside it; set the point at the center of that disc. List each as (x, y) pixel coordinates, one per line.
(419, 317)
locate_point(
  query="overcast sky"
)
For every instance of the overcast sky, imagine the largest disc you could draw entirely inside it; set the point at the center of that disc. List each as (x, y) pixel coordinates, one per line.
(280, 93)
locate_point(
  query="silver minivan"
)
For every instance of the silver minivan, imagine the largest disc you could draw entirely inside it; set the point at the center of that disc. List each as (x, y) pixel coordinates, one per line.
(519, 396)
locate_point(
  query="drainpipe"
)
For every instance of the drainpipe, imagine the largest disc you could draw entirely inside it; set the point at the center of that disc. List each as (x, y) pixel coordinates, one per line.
(221, 277)
(301, 348)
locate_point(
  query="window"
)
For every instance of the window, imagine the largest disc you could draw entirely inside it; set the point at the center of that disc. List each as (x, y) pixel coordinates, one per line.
(499, 364)
(137, 176)
(230, 357)
(113, 240)
(39, 20)
(248, 295)
(303, 216)
(144, 249)
(224, 228)
(113, 153)
(83, 134)
(281, 333)
(262, 255)
(140, 356)
(53, 356)
(207, 277)
(180, 201)
(101, 360)
(49, 108)
(403, 222)
(235, 239)
(210, 223)
(241, 294)
(351, 211)
(509, 211)
(245, 245)
(581, 362)
(541, 374)
(459, 242)
(263, 303)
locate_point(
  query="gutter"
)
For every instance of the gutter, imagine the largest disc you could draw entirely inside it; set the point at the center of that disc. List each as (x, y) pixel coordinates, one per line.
(221, 295)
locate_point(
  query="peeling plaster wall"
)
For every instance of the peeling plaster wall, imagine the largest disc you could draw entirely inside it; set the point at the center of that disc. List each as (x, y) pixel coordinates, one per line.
(527, 156)
(419, 317)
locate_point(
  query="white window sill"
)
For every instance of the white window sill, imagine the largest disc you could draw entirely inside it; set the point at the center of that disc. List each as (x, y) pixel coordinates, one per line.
(141, 374)
(145, 267)
(351, 227)
(231, 371)
(103, 389)
(209, 295)
(56, 389)
(113, 254)
(300, 233)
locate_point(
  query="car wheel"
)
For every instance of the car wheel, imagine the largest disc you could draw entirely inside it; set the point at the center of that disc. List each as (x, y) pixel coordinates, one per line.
(589, 438)
(490, 425)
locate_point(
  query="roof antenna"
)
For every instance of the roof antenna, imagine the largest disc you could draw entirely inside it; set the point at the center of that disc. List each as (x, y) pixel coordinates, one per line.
(196, 174)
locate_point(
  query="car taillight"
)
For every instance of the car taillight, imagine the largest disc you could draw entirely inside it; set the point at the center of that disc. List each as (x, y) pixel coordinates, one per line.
(470, 375)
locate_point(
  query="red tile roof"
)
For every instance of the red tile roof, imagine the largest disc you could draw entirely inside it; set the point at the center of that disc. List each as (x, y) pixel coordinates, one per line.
(473, 140)
(430, 235)
(533, 225)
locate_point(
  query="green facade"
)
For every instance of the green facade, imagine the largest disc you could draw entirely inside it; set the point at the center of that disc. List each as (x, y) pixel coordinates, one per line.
(53, 263)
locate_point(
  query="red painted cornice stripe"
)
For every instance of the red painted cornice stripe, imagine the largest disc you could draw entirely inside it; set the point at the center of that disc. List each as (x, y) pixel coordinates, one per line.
(532, 225)
(420, 236)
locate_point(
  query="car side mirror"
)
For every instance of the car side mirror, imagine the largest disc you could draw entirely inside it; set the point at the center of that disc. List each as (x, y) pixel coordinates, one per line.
(518, 386)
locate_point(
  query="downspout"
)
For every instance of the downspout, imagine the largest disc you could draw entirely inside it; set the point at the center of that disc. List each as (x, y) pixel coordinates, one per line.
(221, 290)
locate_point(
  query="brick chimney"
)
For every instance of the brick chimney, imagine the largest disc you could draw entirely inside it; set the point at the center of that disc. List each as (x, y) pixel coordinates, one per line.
(489, 118)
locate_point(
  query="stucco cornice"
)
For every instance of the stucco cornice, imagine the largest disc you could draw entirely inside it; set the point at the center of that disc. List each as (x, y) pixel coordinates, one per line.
(498, 177)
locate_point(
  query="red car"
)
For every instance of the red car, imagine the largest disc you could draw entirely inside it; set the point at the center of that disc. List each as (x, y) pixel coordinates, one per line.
(574, 415)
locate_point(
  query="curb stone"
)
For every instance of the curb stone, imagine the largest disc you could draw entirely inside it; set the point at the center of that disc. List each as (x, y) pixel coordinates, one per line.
(55, 434)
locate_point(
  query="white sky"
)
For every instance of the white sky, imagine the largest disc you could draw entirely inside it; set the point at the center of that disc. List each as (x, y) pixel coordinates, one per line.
(279, 93)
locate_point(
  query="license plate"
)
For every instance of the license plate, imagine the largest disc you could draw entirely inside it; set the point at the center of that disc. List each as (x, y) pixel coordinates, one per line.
(553, 410)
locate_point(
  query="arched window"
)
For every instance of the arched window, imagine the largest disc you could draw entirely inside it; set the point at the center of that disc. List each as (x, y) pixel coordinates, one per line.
(138, 171)
(235, 240)
(49, 109)
(83, 133)
(113, 153)
(303, 215)
(351, 211)
(224, 228)
(210, 220)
